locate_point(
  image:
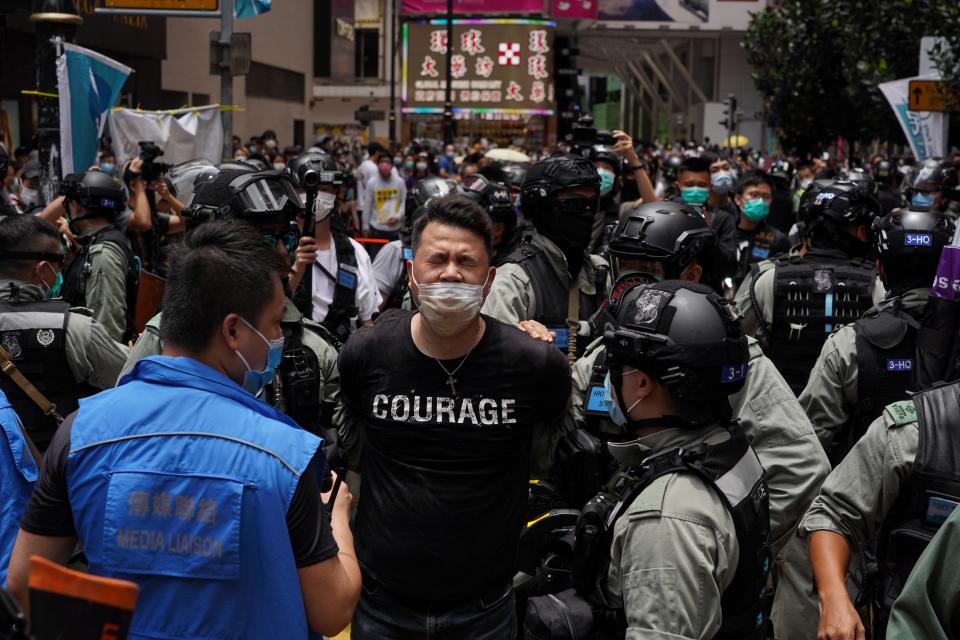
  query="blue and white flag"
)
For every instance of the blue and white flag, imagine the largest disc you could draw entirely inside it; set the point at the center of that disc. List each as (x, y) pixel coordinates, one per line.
(250, 8)
(89, 84)
(925, 130)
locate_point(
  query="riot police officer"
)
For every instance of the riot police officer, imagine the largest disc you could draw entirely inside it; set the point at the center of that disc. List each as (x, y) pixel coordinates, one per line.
(65, 353)
(792, 303)
(897, 486)
(389, 265)
(494, 198)
(670, 240)
(676, 354)
(932, 184)
(332, 276)
(103, 275)
(866, 365)
(307, 383)
(551, 278)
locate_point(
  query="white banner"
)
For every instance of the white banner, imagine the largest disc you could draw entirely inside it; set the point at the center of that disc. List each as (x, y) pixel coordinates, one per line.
(925, 130)
(184, 135)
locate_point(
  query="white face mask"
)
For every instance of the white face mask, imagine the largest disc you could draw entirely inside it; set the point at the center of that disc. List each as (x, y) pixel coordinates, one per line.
(279, 166)
(29, 197)
(323, 205)
(449, 307)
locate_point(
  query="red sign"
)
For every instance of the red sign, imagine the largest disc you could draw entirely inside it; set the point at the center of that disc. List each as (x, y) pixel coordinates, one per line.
(575, 9)
(470, 7)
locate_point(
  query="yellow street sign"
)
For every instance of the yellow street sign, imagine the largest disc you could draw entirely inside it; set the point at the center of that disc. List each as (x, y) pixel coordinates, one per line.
(164, 5)
(928, 95)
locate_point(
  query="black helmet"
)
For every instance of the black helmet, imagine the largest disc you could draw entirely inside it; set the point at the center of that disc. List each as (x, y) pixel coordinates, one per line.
(669, 232)
(671, 168)
(840, 202)
(909, 243)
(259, 197)
(686, 336)
(310, 170)
(861, 177)
(493, 197)
(257, 161)
(555, 173)
(935, 174)
(604, 153)
(187, 178)
(95, 191)
(517, 174)
(423, 191)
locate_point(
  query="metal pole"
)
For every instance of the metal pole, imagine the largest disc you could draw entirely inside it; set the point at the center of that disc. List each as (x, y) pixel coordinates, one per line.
(56, 23)
(392, 56)
(448, 100)
(226, 79)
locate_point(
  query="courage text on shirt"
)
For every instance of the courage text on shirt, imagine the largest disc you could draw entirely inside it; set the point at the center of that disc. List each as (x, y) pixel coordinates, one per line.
(445, 410)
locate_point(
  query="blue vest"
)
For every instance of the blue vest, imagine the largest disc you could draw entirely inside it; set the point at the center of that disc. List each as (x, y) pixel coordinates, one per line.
(18, 473)
(180, 481)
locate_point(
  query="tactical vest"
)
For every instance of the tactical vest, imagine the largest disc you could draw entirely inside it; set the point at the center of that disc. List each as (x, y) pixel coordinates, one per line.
(401, 286)
(927, 497)
(343, 308)
(886, 342)
(179, 481)
(35, 335)
(295, 389)
(732, 470)
(75, 275)
(552, 294)
(813, 296)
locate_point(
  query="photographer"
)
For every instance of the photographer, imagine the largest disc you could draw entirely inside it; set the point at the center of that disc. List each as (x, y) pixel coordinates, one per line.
(103, 275)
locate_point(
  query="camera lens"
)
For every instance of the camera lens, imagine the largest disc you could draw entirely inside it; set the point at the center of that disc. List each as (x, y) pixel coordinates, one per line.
(310, 178)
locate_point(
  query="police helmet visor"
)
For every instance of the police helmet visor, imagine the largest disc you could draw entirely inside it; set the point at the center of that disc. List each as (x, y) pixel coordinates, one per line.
(268, 192)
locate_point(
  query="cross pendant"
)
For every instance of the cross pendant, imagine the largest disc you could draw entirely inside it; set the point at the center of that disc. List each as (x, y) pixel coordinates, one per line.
(452, 383)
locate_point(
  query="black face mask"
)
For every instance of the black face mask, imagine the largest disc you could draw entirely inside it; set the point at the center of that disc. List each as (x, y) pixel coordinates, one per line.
(569, 226)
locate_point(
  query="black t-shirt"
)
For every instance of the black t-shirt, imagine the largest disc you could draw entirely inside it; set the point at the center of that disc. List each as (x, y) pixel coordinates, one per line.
(445, 475)
(758, 244)
(49, 514)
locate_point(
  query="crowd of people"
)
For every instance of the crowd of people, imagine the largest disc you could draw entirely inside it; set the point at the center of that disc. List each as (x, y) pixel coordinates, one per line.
(610, 390)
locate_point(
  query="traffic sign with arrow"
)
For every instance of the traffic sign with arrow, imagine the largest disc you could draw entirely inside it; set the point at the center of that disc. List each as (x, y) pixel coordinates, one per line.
(929, 95)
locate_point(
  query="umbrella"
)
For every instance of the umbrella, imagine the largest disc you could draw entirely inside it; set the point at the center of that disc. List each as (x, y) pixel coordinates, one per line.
(736, 141)
(938, 348)
(507, 155)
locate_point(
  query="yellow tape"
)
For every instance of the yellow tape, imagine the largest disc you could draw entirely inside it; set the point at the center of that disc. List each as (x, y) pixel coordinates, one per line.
(44, 94)
(536, 520)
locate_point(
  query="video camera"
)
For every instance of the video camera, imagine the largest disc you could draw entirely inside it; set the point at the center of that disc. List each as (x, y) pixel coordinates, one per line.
(149, 152)
(584, 136)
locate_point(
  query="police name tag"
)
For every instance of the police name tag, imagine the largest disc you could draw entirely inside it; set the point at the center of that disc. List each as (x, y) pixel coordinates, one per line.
(939, 509)
(173, 525)
(917, 240)
(733, 373)
(346, 277)
(895, 365)
(562, 338)
(595, 401)
(407, 253)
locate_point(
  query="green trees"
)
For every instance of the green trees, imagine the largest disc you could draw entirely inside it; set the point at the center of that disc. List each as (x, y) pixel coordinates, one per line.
(818, 62)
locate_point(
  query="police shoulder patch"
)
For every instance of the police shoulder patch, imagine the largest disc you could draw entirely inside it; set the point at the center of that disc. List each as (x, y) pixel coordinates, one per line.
(902, 412)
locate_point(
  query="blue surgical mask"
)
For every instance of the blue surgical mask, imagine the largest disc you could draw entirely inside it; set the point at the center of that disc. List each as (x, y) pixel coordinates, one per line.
(722, 181)
(107, 167)
(606, 181)
(921, 199)
(613, 407)
(694, 195)
(255, 381)
(756, 209)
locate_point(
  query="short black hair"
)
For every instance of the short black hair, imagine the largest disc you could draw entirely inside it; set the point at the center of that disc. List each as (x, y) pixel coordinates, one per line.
(24, 233)
(220, 268)
(693, 165)
(456, 211)
(752, 179)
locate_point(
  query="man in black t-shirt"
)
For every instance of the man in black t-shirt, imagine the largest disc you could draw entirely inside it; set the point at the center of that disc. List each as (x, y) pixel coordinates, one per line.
(756, 239)
(449, 406)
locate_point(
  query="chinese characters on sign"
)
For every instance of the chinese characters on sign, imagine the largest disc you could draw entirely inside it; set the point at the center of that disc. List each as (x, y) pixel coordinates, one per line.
(504, 65)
